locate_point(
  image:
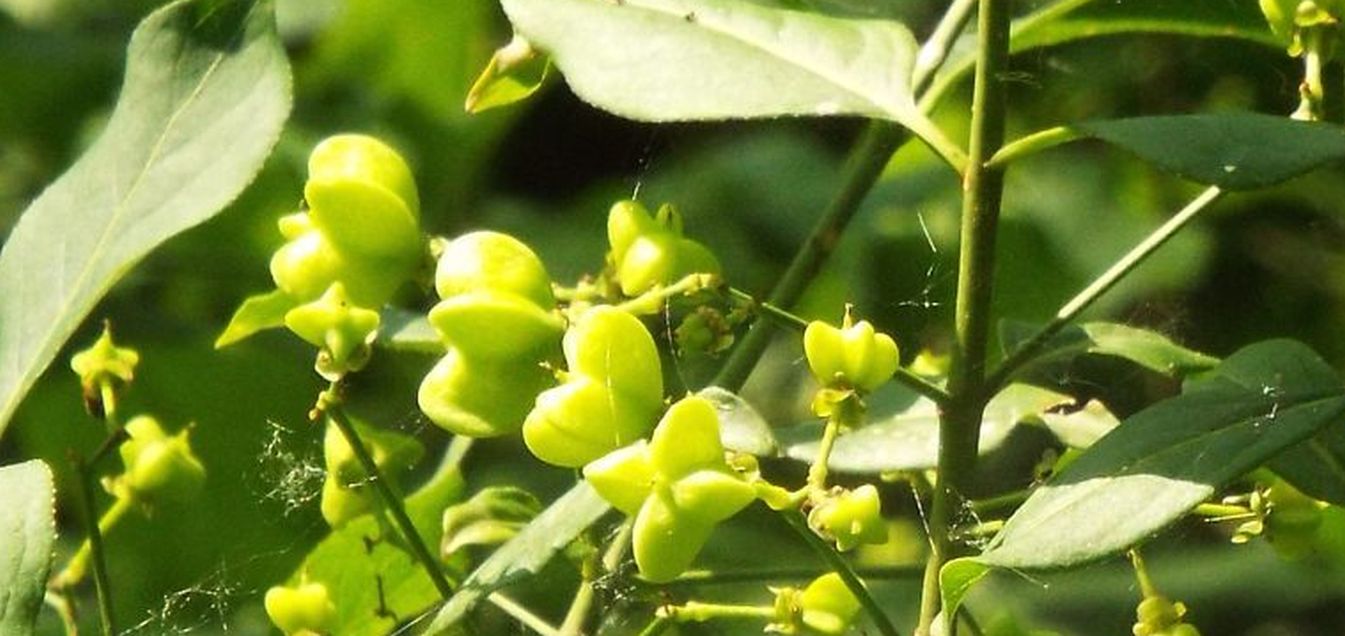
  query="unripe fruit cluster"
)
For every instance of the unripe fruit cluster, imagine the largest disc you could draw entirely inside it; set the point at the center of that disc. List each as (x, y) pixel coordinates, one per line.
(497, 319)
(648, 252)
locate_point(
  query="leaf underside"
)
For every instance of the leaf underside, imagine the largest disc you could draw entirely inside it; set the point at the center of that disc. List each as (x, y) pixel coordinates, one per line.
(27, 535)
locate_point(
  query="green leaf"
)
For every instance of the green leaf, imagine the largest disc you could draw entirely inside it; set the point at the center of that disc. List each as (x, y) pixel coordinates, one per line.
(257, 313)
(1316, 466)
(741, 427)
(956, 579)
(1148, 349)
(909, 440)
(1073, 20)
(513, 74)
(1083, 427)
(490, 517)
(1165, 460)
(1235, 151)
(525, 554)
(362, 577)
(404, 330)
(27, 534)
(674, 60)
(206, 92)
(1202, 18)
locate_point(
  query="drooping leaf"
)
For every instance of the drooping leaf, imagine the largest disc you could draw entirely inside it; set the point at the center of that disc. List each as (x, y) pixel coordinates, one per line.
(909, 440)
(206, 92)
(490, 517)
(27, 532)
(1149, 349)
(526, 553)
(956, 579)
(404, 330)
(362, 577)
(673, 60)
(1235, 151)
(741, 427)
(1165, 460)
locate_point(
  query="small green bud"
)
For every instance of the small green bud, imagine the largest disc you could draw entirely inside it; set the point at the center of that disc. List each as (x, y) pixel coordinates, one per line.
(159, 467)
(303, 610)
(851, 518)
(854, 356)
(343, 332)
(649, 252)
(103, 362)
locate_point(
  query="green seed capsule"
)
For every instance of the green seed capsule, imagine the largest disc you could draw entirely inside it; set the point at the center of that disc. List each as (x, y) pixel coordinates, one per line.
(827, 605)
(159, 467)
(851, 518)
(305, 610)
(649, 252)
(853, 356)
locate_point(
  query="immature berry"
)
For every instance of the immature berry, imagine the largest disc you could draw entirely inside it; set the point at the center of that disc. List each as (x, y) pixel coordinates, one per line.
(678, 486)
(159, 467)
(611, 395)
(851, 518)
(303, 610)
(826, 606)
(648, 252)
(854, 356)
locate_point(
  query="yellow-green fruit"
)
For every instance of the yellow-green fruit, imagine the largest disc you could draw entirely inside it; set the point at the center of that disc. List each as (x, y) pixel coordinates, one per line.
(361, 195)
(852, 518)
(854, 356)
(827, 606)
(481, 397)
(1291, 526)
(305, 609)
(494, 262)
(159, 467)
(611, 397)
(649, 252)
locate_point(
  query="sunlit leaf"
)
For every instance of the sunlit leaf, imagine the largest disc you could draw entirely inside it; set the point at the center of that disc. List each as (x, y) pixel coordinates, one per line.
(1149, 349)
(206, 92)
(526, 553)
(909, 440)
(1165, 460)
(27, 532)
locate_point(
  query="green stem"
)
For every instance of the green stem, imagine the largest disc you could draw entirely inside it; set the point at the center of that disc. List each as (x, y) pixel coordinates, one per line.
(817, 473)
(709, 577)
(329, 404)
(999, 502)
(102, 585)
(1103, 283)
(695, 612)
(657, 626)
(863, 167)
(1032, 144)
(64, 606)
(1312, 92)
(842, 568)
(1142, 575)
(1215, 511)
(78, 566)
(523, 614)
(652, 301)
(983, 189)
(583, 597)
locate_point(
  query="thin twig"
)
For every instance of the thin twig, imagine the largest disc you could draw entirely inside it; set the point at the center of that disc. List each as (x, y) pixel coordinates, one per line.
(843, 569)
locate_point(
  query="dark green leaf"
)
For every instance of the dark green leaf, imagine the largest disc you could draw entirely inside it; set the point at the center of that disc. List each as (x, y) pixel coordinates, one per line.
(1235, 151)
(1317, 466)
(27, 532)
(741, 427)
(909, 440)
(526, 553)
(1146, 348)
(1165, 460)
(353, 569)
(206, 92)
(672, 60)
(407, 331)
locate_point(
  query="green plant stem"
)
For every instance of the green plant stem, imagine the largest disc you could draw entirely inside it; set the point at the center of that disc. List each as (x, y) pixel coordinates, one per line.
(842, 568)
(863, 167)
(102, 585)
(983, 189)
(657, 626)
(523, 614)
(999, 502)
(582, 604)
(64, 607)
(1147, 588)
(1103, 283)
(78, 566)
(709, 577)
(696, 612)
(817, 472)
(329, 404)
(653, 300)
(1032, 144)
(789, 320)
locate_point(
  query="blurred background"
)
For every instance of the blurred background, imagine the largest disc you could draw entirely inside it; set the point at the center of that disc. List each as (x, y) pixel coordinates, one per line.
(1262, 265)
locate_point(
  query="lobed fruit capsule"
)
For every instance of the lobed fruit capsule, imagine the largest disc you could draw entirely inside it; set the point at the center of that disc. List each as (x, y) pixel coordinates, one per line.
(851, 518)
(648, 252)
(854, 356)
(303, 610)
(159, 467)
